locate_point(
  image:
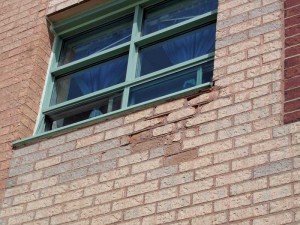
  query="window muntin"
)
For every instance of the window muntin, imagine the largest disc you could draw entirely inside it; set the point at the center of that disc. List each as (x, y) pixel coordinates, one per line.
(172, 12)
(96, 40)
(65, 108)
(178, 49)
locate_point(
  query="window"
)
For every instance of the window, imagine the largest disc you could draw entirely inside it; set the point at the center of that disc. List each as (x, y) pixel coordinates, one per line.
(131, 55)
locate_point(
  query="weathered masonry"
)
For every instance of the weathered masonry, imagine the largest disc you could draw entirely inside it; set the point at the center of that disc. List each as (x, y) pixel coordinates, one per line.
(149, 112)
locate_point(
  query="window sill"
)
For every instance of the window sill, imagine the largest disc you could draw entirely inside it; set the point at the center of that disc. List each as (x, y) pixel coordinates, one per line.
(82, 124)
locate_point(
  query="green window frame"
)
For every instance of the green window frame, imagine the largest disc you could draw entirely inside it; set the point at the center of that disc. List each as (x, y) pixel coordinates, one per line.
(110, 12)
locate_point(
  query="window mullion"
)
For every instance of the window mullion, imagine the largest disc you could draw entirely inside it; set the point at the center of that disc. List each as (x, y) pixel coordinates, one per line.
(133, 53)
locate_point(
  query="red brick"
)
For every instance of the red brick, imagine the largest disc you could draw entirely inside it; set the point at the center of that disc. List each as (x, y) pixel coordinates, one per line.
(292, 11)
(290, 3)
(292, 105)
(292, 94)
(292, 30)
(292, 21)
(290, 62)
(292, 83)
(293, 51)
(292, 72)
(291, 117)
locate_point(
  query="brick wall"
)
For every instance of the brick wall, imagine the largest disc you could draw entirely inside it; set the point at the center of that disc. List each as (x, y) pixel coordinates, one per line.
(222, 157)
(292, 60)
(24, 55)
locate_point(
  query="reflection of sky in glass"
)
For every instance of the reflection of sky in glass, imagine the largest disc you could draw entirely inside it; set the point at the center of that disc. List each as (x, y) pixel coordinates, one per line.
(92, 79)
(177, 50)
(96, 40)
(170, 84)
(175, 11)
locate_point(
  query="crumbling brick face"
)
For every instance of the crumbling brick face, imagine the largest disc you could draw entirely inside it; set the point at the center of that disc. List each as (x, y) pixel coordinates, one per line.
(219, 157)
(292, 61)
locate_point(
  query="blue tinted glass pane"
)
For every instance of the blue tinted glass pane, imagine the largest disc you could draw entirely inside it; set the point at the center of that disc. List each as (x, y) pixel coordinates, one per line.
(101, 107)
(177, 50)
(175, 11)
(170, 84)
(91, 79)
(96, 40)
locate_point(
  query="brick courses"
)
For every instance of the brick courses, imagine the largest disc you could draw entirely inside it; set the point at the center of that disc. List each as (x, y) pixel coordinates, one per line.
(221, 157)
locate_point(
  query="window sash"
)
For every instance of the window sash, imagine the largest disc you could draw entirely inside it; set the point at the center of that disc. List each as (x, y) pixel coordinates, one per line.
(137, 41)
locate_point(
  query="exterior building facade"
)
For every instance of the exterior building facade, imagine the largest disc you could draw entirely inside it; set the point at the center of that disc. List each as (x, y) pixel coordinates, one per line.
(225, 154)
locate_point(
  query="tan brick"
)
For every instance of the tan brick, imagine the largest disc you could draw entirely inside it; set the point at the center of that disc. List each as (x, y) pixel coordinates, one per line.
(109, 125)
(284, 178)
(272, 56)
(114, 174)
(26, 197)
(72, 195)
(212, 171)
(234, 177)
(145, 166)
(127, 203)
(29, 177)
(215, 125)
(9, 212)
(89, 140)
(284, 204)
(142, 188)
(271, 36)
(249, 162)
(177, 179)
(117, 132)
(195, 186)
(243, 213)
(215, 147)
(85, 182)
(128, 181)
(95, 211)
(210, 195)
(162, 172)
(40, 222)
(193, 211)
(214, 219)
(21, 219)
(169, 106)
(47, 162)
(247, 44)
(109, 196)
(203, 98)
(140, 211)
(180, 114)
(147, 123)
(16, 190)
(78, 204)
(47, 212)
(58, 189)
(227, 60)
(42, 203)
(107, 219)
(98, 188)
(270, 144)
(248, 186)
(268, 47)
(203, 118)
(234, 131)
(282, 218)
(65, 218)
(245, 25)
(232, 154)
(246, 64)
(169, 128)
(232, 202)
(159, 218)
(234, 109)
(44, 183)
(161, 195)
(174, 203)
(198, 141)
(196, 163)
(273, 193)
(252, 138)
(134, 158)
(138, 115)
